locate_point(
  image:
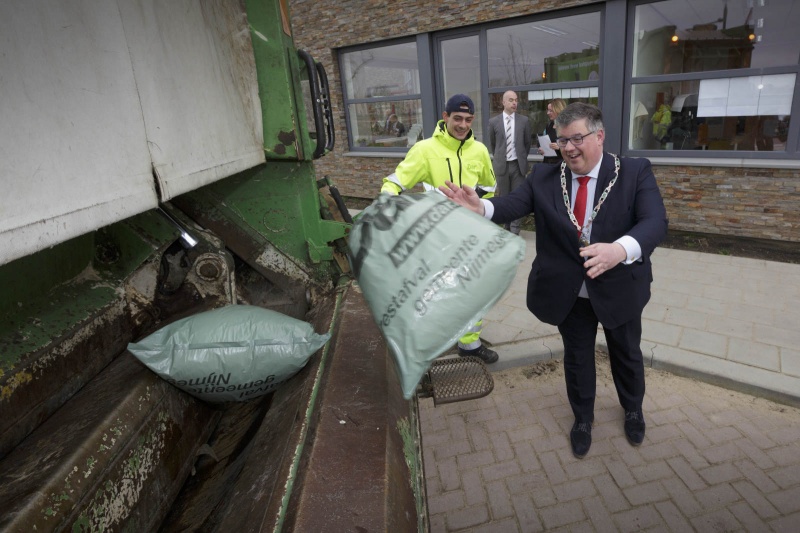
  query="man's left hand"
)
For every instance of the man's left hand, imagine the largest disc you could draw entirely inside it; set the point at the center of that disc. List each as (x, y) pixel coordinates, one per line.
(602, 256)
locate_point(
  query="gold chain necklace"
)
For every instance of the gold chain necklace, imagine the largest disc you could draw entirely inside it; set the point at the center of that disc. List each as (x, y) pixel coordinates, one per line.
(584, 232)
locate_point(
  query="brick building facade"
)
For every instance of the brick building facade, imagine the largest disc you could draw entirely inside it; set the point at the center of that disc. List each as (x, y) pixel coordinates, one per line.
(749, 198)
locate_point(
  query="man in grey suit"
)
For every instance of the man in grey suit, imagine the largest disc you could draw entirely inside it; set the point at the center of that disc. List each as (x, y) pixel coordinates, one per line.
(509, 144)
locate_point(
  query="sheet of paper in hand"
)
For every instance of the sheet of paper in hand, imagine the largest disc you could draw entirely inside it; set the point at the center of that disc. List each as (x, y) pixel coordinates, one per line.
(429, 270)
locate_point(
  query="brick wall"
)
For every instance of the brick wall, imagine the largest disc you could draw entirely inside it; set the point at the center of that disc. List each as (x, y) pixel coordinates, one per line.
(748, 202)
(752, 202)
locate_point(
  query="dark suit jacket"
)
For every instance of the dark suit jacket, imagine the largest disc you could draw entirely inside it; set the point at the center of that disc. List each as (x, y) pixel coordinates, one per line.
(633, 207)
(497, 142)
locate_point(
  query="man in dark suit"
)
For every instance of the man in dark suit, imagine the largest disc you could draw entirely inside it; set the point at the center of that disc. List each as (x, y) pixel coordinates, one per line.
(574, 284)
(509, 144)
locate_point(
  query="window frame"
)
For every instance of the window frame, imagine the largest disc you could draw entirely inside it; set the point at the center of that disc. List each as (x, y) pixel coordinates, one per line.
(631, 81)
(348, 102)
(615, 84)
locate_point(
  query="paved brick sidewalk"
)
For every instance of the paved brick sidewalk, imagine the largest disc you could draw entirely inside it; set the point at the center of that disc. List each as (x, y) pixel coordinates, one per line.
(712, 460)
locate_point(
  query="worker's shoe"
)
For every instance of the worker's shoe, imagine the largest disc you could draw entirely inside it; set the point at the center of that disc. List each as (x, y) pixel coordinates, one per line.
(481, 352)
(580, 438)
(634, 427)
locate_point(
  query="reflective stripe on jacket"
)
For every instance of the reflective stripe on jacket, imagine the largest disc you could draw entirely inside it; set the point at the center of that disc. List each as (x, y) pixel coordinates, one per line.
(443, 157)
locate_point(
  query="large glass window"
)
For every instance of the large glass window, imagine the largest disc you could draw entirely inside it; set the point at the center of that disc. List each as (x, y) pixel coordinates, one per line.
(551, 51)
(749, 113)
(710, 75)
(533, 104)
(680, 36)
(553, 54)
(382, 96)
(460, 73)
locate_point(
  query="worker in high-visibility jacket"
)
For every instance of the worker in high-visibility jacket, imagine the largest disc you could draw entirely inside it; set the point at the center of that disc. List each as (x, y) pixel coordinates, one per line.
(452, 154)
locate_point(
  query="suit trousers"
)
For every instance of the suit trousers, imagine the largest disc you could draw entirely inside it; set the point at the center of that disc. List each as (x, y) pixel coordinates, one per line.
(506, 183)
(579, 333)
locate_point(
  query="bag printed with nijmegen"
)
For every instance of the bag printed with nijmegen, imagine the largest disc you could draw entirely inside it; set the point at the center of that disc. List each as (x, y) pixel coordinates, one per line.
(233, 353)
(429, 270)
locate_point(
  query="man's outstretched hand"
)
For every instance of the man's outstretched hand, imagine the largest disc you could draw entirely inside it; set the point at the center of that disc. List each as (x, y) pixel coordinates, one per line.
(464, 196)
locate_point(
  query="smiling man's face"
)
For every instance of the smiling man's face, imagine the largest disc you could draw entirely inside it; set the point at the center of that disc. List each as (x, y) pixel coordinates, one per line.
(581, 159)
(459, 124)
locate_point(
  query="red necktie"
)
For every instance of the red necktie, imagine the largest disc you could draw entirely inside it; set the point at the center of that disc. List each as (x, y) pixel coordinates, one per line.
(580, 201)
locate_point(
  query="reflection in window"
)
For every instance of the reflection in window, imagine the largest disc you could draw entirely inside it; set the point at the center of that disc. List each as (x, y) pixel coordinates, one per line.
(386, 71)
(538, 100)
(396, 124)
(551, 51)
(533, 104)
(680, 36)
(744, 114)
(461, 75)
(382, 95)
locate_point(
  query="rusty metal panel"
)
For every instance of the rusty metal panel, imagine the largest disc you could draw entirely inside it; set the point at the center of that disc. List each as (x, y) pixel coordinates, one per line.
(354, 475)
(126, 443)
(29, 393)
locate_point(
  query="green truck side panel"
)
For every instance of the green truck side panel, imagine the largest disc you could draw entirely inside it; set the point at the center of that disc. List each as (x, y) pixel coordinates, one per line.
(278, 69)
(44, 294)
(279, 202)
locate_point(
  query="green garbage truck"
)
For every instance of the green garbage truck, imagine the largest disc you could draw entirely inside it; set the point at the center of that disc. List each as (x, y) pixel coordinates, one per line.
(158, 162)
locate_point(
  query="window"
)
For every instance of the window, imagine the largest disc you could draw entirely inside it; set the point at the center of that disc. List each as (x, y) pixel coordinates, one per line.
(460, 58)
(703, 78)
(559, 56)
(748, 113)
(382, 97)
(538, 100)
(713, 76)
(558, 50)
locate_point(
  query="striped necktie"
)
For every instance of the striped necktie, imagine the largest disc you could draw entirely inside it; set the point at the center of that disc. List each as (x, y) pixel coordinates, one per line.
(509, 140)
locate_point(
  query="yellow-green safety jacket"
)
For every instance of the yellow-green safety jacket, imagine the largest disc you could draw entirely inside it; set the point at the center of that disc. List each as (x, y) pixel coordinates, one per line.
(443, 157)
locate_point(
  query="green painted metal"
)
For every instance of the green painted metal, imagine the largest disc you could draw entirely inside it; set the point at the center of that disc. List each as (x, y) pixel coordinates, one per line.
(410, 433)
(316, 385)
(45, 294)
(279, 203)
(286, 134)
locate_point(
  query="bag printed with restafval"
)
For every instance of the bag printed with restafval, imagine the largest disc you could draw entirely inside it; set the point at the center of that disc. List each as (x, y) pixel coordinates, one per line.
(429, 269)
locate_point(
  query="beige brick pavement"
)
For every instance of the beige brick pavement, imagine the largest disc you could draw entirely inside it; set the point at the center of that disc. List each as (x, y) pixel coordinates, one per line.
(712, 460)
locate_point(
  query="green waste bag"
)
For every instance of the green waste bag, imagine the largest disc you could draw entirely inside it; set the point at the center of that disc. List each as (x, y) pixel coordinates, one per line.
(429, 270)
(234, 353)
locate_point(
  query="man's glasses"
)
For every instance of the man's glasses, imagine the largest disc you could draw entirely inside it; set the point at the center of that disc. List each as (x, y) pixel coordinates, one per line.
(576, 140)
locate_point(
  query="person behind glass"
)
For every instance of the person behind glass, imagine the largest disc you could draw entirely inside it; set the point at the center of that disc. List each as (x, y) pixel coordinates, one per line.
(509, 144)
(574, 284)
(453, 154)
(554, 108)
(394, 127)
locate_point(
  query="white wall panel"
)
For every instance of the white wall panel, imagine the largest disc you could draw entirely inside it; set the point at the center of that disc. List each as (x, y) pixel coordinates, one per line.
(95, 95)
(73, 153)
(197, 82)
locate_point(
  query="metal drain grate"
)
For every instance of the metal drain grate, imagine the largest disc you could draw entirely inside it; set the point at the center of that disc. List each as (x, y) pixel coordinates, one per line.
(456, 379)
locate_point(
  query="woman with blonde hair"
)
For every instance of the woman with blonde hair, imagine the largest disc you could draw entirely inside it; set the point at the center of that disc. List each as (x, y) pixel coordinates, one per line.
(554, 108)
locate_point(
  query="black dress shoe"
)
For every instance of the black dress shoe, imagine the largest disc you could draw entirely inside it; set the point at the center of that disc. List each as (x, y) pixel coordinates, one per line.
(580, 438)
(482, 352)
(634, 427)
